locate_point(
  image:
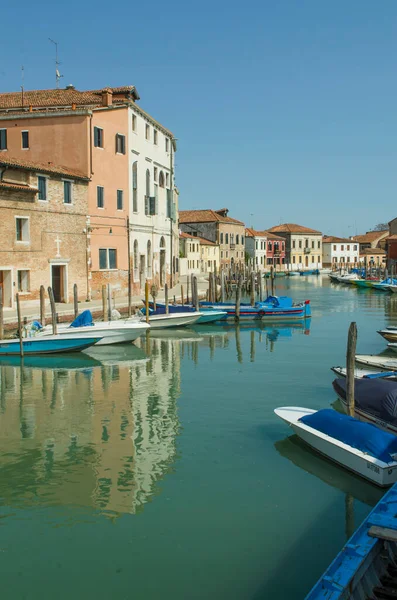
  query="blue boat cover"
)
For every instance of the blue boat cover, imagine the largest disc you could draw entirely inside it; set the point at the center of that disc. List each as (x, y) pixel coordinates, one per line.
(377, 397)
(277, 301)
(83, 320)
(363, 436)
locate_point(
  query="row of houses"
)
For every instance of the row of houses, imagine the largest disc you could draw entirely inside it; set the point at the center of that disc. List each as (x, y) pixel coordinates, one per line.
(87, 194)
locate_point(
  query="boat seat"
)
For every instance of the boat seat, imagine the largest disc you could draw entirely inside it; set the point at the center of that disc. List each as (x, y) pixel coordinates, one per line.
(383, 533)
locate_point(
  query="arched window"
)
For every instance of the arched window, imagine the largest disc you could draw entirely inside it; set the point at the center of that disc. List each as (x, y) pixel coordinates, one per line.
(161, 179)
(149, 259)
(147, 196)
(162, 261)
(136, 261)
(135, 187)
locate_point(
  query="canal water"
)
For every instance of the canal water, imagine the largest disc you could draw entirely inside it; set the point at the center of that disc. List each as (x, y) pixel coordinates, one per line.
(159, 470)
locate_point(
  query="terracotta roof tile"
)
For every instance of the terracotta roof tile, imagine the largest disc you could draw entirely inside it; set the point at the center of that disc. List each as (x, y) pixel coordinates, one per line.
(331, 239)
(370, 251)
(49, 168)
(205, 216)
(292, 228)
(371, 236)
(249, 232)
(391, 237)
(17, 186)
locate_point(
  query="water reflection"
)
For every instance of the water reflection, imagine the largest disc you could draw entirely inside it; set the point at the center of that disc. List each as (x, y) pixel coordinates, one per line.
(98, 432)
(352, 485)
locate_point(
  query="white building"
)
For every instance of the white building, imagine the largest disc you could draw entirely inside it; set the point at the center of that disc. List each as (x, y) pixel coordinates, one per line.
(255, 246)
(339, 251)
(210, 256)
(153, 199)
(190, 254)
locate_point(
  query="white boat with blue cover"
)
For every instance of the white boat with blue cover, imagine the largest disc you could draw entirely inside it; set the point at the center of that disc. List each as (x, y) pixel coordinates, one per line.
(359, 447)
(207, 315)
(365, 373)
(51, 344)
(365, 568)
(272, 309)
(120, 331)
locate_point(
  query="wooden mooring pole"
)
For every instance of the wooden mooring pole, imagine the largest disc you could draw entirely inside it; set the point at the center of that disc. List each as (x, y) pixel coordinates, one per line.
(238, 299)
(42, 305)
(182, 300)
(109, 292)
(167, 310)
(53, 311)
(350, 364)
(260, 283)
(75, 301)
(20, 331)
(252, 288)
(147, 300)
(272, 279)
(104, 303)
(222, 285)
(1, 315)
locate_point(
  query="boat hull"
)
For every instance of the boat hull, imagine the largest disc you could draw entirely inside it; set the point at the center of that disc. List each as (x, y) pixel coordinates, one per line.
(389, 335)
(111, 332)
(376, 471)
(173, 320)
(383, 363)
(46, 345)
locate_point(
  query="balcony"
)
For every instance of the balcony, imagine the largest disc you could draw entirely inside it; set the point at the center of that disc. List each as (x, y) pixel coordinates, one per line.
(307, 250)
(232, 246)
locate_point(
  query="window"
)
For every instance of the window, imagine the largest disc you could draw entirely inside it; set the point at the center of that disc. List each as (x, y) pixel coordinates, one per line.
(25, 139)
(100, 200)
(269, 246)
(342, 247)
(135, 187)
(22, 229)
(133, 122)
(169, 204)
(237, 239)
(306, 243)
(318, 244)
(335, 247)
(293, 243)
(147, 132)
(155, 170)
(167, 179)
(355, 248)
(136, 261)
(154, 136)
(282, 245)
(107, 258)
(293, 260)
(120, 200)
(227, 254)
(98, 137)
(348, 259)
(226, 239)
(221, 238)
(120, 143)
(313, 244)
(42, 185)
(221, 253)
(161, 179)
(23, 281)
(3, 139)
(256, 245)
(300, 243)
(300, 259)
(348, 247)
(167, 144)
(67, 192)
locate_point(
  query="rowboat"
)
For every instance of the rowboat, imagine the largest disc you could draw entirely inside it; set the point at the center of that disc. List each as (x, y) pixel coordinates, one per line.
(389, 333)
(207, 315)
(111, 332)
(365, 567)
(359, 447)
(384, 363)
(375, 401)
(365, 373)
(50, 344)
(273, 308)
(392, 346)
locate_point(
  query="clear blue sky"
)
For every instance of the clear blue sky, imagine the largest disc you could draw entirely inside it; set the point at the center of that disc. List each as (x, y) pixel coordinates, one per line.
(284, 111)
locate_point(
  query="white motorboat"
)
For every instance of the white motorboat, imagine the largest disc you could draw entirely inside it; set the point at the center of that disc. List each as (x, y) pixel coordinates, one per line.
(348, 278)
(110, 332)
(383, 363)
(381, 472)
(180, 319)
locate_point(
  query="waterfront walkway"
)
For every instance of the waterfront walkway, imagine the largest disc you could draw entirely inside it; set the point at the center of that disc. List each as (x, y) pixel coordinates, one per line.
(31, 308)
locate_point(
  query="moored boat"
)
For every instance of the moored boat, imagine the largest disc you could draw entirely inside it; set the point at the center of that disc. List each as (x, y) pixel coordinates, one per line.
(51, 344)
(181, 319)
(111, 332)
(359, 447)
(365, 373)
(273, 308)
(366, 566)
(389, 333)
(207, 315)
(384, 363)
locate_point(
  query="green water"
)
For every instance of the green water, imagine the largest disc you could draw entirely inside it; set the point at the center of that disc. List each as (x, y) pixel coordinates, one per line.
(161, 471)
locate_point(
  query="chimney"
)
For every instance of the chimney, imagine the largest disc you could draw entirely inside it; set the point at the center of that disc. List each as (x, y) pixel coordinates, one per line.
(70, 86)
(107, 97)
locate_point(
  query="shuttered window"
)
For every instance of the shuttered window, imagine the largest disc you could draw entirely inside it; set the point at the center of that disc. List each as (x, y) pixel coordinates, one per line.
(42, 185)
(3, 139)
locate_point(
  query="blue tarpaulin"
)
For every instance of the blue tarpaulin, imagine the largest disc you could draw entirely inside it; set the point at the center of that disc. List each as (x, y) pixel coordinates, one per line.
(362, 436)
(83, 320)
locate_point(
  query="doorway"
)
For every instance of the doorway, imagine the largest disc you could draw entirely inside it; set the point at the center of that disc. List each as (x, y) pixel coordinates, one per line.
(162, 261)
(6, 287)
(306, 261)
(58, 282)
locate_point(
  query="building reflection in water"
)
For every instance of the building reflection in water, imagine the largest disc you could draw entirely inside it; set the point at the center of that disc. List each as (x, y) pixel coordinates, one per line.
(100, 433)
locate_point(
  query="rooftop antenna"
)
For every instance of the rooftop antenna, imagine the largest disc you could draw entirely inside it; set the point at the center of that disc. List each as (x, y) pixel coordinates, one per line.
(23, 81)
(57, 63)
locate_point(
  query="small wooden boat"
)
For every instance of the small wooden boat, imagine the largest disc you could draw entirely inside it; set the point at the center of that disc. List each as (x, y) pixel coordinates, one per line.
(120, 331)
(359, 447)
(383, 363)
(375, 401)
(389, 333)
(365, 373)
(365, 568)
(310, 272)
(207, 315)
(47, 344)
